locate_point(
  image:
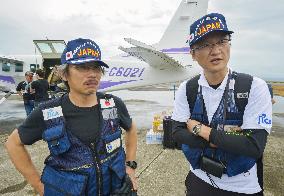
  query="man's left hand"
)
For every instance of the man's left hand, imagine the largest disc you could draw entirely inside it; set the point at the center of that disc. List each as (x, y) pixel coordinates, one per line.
(131, 174)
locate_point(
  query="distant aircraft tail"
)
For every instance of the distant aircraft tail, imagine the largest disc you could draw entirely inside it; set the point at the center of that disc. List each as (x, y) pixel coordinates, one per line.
(174, 38)
(7, 83)
(164, 54)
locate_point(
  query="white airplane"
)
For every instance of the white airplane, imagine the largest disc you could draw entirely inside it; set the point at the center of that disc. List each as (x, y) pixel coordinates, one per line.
(142, 65)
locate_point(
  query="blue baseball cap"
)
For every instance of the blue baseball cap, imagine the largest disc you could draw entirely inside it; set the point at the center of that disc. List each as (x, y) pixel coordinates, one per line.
(80, 51)
(208, 23)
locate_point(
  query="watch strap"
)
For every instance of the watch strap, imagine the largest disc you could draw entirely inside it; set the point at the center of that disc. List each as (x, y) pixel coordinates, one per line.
(196, 129)
(131, 164)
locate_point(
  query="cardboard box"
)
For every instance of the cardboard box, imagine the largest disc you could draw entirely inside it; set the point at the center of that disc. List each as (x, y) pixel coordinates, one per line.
(154, 137)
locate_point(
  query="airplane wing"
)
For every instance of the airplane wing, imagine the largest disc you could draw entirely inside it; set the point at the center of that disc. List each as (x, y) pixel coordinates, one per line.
(9, 64)
(150, 55)
(7, 83)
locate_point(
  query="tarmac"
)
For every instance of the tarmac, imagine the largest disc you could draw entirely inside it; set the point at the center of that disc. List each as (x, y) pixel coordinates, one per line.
(161, 172)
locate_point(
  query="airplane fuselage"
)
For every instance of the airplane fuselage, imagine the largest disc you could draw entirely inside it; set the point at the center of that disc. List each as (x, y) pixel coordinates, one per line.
(132, 74)
(121, 74)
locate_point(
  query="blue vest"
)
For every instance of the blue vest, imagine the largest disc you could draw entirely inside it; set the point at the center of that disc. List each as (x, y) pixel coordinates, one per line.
(235, 164)
(74, 168)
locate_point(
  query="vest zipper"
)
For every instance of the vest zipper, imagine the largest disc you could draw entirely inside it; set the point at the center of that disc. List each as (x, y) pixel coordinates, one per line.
(98, 170)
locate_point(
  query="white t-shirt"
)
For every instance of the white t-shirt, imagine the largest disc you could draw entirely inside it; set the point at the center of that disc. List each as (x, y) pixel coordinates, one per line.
(257, 115)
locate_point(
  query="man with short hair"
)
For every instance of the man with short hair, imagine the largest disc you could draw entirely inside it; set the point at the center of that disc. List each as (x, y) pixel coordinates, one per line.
(23, 90)
(40, 87)
(221, 117)
(83, 133)
(271, 93)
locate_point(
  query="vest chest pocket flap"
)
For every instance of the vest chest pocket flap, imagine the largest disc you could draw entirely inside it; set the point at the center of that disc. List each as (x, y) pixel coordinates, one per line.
(112, 142)
(117, 166)
(117, 169)
(57, 139)
(61, 183)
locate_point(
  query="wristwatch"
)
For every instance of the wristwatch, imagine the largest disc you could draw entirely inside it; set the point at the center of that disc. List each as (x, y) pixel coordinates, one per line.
(131, 164)
(196, 129)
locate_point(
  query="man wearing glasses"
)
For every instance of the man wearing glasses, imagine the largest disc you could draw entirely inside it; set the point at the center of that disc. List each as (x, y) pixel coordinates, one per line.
(221, 117)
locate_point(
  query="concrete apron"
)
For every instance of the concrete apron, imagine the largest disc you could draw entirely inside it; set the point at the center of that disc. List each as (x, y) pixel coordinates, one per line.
(161, 171)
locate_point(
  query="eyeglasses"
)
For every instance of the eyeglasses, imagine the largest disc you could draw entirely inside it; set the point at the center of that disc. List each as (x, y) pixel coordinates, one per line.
(208, 47)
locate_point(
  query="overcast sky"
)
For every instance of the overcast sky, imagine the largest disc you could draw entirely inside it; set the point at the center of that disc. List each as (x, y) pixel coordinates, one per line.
(257, 45)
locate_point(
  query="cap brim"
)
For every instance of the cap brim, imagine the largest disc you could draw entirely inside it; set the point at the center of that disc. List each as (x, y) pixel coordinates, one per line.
(213, 30)
(87, 60)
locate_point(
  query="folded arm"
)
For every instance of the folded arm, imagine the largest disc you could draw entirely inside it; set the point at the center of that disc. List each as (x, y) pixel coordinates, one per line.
(183, 136)
(247, 142)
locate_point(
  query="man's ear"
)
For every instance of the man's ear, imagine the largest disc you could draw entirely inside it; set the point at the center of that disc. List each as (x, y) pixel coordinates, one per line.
(63, 76)
(193, 55)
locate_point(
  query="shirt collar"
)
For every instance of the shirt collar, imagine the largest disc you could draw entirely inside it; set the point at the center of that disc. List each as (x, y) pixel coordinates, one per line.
(203, 82)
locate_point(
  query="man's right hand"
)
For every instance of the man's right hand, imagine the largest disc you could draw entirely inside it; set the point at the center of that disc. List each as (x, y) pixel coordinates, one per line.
(131, 173)
(213, 145)
(20, 94)
(22, 161)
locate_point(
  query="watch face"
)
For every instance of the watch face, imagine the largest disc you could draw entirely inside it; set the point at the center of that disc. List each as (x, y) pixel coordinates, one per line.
(196, 129)
(132, 164)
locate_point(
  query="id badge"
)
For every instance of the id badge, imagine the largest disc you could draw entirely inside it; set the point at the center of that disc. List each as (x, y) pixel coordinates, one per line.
(231, 128)
(110, 147)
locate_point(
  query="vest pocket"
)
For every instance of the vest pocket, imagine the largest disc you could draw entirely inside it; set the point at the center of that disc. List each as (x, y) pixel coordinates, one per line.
(192, 155)
(239, 164)
(57, 139)
(117, 169)
(57, 182)
(112, 142)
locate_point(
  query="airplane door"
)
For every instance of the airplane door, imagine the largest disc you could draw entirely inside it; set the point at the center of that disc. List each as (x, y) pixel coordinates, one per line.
(50, 51)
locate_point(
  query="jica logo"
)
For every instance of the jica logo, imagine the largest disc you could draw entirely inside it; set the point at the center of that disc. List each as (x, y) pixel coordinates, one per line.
(263, 119)
(52, 113)
(109, 147)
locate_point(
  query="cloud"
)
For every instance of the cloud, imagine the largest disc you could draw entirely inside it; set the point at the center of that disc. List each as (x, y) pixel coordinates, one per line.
(257, 40)
(108, 22)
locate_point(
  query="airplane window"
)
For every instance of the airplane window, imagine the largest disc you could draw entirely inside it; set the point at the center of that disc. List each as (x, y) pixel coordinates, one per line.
(33, 67)
(59, 47)
(6, 67)
(44, 48)
(19, 67)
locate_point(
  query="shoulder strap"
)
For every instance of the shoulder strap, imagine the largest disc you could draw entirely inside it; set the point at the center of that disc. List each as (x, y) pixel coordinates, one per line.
(242, 89)
(102, 95)
(191, 91)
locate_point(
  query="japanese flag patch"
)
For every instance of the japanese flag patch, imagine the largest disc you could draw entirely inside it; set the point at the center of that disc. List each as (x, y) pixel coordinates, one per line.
(107, 103)
(69, 55)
